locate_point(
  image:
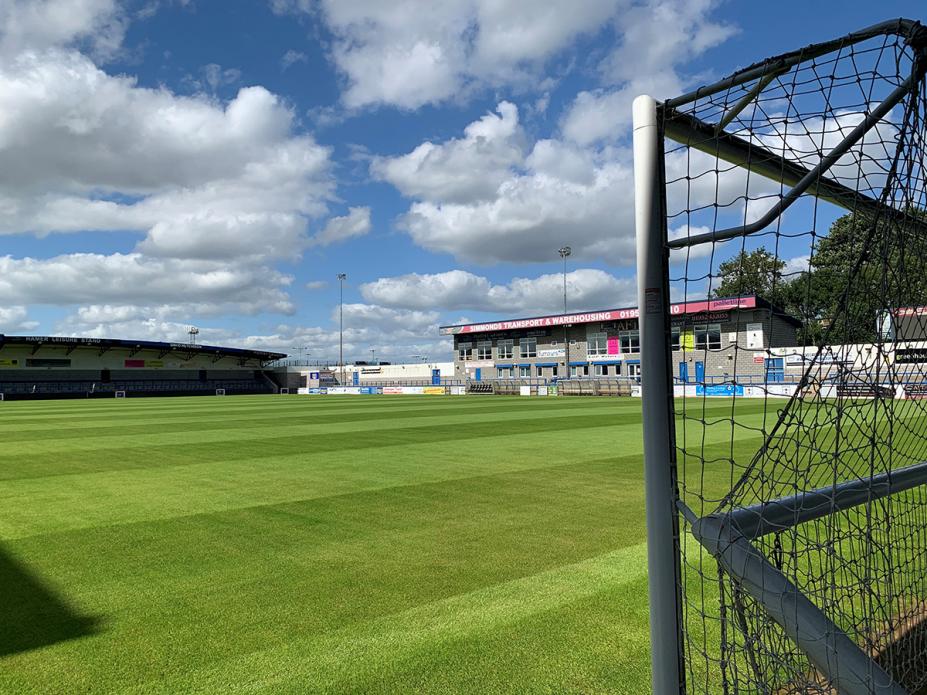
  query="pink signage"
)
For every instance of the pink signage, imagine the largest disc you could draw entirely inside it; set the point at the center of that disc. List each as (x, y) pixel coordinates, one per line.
(614, 346)
(599, 316)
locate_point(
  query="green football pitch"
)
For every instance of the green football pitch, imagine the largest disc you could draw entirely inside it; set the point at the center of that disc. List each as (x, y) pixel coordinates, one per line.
(322, 544)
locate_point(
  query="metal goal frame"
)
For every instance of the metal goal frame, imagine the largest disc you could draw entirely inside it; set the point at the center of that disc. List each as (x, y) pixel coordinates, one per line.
(728, 537)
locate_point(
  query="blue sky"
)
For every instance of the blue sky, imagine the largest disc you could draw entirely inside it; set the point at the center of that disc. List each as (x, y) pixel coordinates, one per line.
(218, 163)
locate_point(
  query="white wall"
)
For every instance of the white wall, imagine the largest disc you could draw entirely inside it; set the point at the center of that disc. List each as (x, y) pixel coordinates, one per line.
(389, 372)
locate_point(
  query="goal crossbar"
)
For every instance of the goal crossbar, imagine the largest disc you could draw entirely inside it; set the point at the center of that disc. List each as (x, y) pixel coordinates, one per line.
(693, 133)
(914, 31)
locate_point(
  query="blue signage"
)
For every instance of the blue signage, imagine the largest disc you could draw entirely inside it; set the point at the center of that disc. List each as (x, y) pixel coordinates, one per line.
(435, 377)
(719, 390)
(355, 378)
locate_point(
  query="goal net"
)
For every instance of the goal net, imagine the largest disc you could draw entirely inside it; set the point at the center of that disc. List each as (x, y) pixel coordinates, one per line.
(786, 422)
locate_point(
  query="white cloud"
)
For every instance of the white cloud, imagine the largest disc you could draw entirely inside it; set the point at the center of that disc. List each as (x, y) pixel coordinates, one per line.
(514, 206)
(135, 327)
(291, 57)
(215, 76)
(356, 223)
(217, 190)
(796, 265)
(658, 38)
(394, 334)
(462, 169)
(14, 319)
(460, 290)
(42, 24)
(409, 53)
(123, 279)
(532, 215)
(316, 284)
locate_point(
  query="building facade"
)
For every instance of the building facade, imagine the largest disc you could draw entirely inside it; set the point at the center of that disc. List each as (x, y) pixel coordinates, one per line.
(713, 340)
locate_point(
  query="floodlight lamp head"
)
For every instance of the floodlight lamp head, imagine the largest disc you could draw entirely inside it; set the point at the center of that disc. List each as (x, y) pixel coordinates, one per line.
(565, 251)
(342, 276)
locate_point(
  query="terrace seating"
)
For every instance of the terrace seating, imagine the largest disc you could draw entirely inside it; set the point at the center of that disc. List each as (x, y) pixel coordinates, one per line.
(480, 387)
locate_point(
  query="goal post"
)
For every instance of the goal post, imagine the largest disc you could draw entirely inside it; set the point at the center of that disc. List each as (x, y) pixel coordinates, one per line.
(657, 392)
(781, 222)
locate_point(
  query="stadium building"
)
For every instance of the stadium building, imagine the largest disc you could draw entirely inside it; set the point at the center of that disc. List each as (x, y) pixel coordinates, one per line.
(64, 367)
(713, 340)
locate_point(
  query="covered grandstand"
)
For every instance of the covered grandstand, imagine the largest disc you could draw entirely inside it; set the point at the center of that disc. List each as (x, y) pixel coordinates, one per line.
(68, 367)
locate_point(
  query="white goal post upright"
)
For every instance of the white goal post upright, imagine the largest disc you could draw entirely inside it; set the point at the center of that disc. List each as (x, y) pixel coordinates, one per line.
(656, 385)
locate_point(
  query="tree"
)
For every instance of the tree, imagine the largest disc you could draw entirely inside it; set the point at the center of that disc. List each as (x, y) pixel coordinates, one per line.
(758, 272)
(861, 269)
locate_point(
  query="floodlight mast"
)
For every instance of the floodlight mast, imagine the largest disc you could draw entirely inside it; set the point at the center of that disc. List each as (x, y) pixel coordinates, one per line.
(565, 252)
(341, 279)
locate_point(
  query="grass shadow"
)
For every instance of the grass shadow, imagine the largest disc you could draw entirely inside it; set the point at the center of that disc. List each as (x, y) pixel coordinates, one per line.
(32, 615)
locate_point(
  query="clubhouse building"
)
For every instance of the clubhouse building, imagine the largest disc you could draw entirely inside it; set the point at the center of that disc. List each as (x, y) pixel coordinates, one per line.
(712, 340)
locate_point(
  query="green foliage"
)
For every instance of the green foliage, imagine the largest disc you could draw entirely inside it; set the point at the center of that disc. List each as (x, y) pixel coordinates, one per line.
(756, 272)
(857, 271)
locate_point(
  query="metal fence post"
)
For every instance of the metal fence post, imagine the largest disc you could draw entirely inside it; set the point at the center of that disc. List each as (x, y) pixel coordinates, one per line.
(656, 385)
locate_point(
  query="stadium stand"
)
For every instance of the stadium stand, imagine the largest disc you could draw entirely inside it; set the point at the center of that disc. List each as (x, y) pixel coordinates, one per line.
(63, 367)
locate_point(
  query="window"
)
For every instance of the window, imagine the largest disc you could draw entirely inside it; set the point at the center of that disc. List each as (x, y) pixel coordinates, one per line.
(540, 371)
(505, 349)
(634, 371)
(524, 371)
(674, 340)
(579, 370)
(484, 351)
(529, 347)
(630, 341)
(464, 351)
(504, 372)
(553, 370)
(598, 344)
(600, 369)
(708, 336)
